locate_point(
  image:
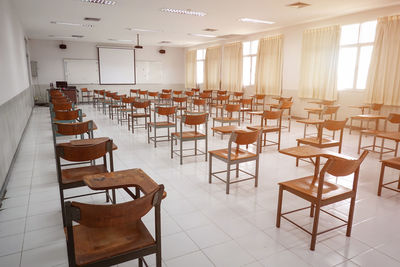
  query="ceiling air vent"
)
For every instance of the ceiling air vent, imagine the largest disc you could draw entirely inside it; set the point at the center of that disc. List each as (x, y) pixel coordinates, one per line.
(91, 19)
(210, 30)
(77, 36)
(298, 5)
(164, 42)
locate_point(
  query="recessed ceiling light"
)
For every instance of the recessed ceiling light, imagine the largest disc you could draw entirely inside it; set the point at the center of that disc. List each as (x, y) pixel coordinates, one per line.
(298, 5)
(184, 12)
(141, 30)
(256, 21)
(66, 37)
(119, 40)
(71, 24)
(103, 2)
(92, 19)
(202, 35)
(210, 30)
(165, 42)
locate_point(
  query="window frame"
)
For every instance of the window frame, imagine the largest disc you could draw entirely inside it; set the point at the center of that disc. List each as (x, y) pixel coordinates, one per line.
(357, 45)
(253, 57)
(200, 60)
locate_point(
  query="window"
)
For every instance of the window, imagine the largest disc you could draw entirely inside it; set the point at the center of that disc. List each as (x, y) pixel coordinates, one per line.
(201, 57)
(249, 62)
(356, 43)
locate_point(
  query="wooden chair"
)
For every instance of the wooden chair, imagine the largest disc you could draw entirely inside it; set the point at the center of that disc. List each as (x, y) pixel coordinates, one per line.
(393, 118)
(165, 99)
(153, 96)
(86, 94)
(259, 101)
(108, 101)
(206, 95)
(125, 109)
(393, 163)
(106, 235)
(195, 120)
(143, 94)
(72, 177)
(181, 103)
(199, 105)
(196, 91)
(264, 128)
(321, 142)
(237, 96)
(61, 106)
(218, 103)
(142, 110)
(77, 128)
(230, 118)
(285, 106)
(170, 122)
(67, 116)
(235, 156)
(134, 92)
(98, 101)
(116, 105)
(166, 91)
(246, 105)
(319, 192)
(177, 93)
(374, 109)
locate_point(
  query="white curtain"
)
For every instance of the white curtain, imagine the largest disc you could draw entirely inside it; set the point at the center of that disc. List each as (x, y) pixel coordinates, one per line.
(212, 68)
(232, 67)
(319, 61)
(190, 69)
(383, 82)
(269, 65)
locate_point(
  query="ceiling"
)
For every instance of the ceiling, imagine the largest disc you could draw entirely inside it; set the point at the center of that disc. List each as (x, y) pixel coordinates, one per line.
(223, 15)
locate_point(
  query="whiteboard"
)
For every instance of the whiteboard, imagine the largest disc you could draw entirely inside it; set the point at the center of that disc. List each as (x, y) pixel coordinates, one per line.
(149, 72)
(117, 65)
(81, 71)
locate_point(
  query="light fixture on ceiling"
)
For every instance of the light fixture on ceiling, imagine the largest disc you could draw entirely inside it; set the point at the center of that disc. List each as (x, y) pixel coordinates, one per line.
(165, 42)
(120, 40)
(141, 30)
(74, 36)
(298, 5)
(71, 24)
(91, 19)
(210, 30)
(202, 35)
(256, 21)
(138, 46)
(103, 2)
(184, 12)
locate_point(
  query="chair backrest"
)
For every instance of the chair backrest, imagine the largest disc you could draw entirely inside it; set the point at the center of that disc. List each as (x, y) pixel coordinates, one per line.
(376, 107)
(189, 93)
(199, 102)
(330, 109)
(84, 90)
(205, 95)
(220, 92)
(259, 97)
(62, 106)
(177, 92)
(244, 137)
(78, 153)
(67, 115)
(272, 115)
(76, 128)
(238, 94)
(343, 167)
(128, 100)
(222, 97)
(153, 94)
(179, 99)
(195, 89)
(143, 92)
(246, 101)
(285, 105)
(165, 96)
(194, 119)
(334, 125)
(134, 91)
(232, 107)
(141, 104)
(281, 98)
(166, 91)
(327, 102)
(394, 118)
(207, 91)
(166, 111)
(95, 215)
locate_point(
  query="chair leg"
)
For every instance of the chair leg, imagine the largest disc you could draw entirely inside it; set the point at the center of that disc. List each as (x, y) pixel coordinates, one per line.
(382, 145)
(256, 174)
(237, 170)
(312, 207)
(315, 227)
(351, 214)
(359, 143)
(228, 177)
(279, 209)
(381, 179)
(62, 205)
(181, 149)
(158, 259)
(148, 134)
(172, 147)
(140, 262)
(210, 169)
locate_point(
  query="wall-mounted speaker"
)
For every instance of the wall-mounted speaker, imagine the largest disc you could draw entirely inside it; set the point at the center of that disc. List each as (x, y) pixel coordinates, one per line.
(63, 46)
(161, 51)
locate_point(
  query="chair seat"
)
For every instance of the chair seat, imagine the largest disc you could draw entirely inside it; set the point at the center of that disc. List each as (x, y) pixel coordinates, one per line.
(94, 244)
(314, 141)
(76, 174)
(314, 110)
(162, 124)
(392, 163)
(306, 187)
(371, 132)
(117, 106)
(242, 154)
(139, 115)
(264, 129)
(189, 135)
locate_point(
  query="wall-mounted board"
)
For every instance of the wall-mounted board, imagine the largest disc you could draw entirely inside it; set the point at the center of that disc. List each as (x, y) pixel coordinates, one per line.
(117, 65)
(81, 71)
(150, 72)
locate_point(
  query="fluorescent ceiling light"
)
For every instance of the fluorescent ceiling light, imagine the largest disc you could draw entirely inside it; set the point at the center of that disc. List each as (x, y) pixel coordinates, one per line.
(71, 24)
(141, 30)
(202, 35)
(120, 40)
(103, 2)
(66, 37)
(184, 12)
(256, 21)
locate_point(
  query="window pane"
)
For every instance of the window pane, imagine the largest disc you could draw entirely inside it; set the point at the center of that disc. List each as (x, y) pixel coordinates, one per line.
(367, 32)
(253, 69)
(363, 66)
(201, 54)
(346, 67)
(254, 47)
(246, 71)
(200, 71)
(349, 34)
(246, 48)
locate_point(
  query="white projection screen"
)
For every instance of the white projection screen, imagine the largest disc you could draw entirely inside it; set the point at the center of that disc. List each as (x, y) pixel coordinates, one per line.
(116, 65)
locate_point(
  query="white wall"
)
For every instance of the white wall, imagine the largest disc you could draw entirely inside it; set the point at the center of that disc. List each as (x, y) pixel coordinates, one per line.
(50, 64)
(13, 68)
(292, 57)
